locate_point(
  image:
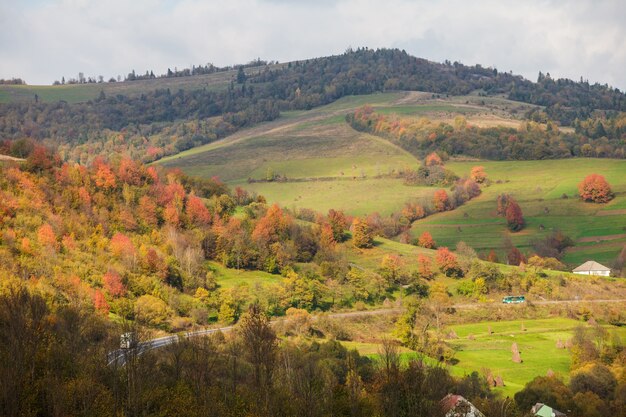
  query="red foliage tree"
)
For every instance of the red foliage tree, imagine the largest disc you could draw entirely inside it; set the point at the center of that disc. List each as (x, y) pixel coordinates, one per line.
(100, 303)
(113, 284)
(492, 256)
(595, 188)
(441, 201)
(514, 217)
(426, 241)
(447, 262)
(40, 159)
(433, 159)
(129, 172)
(197, 212)
(514, 256)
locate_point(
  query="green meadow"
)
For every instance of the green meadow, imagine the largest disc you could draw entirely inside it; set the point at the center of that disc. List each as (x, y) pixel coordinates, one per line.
(486, 352)
(547, 193)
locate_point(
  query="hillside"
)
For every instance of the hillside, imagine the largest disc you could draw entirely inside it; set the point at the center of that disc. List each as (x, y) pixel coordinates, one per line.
(321, 163)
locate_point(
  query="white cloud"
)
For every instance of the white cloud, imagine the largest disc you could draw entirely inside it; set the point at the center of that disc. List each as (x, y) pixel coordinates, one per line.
(42, 40)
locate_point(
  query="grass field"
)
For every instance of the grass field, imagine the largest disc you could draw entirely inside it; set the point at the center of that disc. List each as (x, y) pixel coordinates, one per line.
(492, 352)
(538, 186)
(74, 93)
(229, 278)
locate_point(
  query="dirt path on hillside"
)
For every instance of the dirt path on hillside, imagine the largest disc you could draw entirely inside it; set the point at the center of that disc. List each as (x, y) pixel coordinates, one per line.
(616, 212)
(601, 238)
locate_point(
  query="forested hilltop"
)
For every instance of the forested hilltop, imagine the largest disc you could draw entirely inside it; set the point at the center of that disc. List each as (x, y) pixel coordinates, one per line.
(158, 122)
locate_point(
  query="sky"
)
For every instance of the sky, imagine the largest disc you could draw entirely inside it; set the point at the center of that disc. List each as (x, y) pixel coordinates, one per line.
(41, 41)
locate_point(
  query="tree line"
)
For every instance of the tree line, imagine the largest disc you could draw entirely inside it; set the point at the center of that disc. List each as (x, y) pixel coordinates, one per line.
(531, 141)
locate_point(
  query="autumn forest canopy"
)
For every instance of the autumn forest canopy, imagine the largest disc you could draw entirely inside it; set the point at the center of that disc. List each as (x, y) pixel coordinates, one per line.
(159, 122)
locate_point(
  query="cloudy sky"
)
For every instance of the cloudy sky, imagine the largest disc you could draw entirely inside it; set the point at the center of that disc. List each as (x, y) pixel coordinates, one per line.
(40, 40)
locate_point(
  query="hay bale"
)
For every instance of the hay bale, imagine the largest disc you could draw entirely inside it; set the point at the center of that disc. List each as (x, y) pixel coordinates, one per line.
(517, 357)
(452, 335)
(499, 381)
(471, 337)
(550, 373)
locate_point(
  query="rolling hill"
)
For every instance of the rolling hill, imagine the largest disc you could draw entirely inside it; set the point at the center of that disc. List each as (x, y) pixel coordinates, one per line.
(323, 163)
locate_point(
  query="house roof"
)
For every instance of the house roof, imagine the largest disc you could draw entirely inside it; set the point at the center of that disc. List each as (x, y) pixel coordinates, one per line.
(542, 410)
(450, 402)
(591, 266)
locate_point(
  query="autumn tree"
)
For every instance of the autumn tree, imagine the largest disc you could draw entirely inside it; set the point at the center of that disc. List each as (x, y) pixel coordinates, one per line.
(197, 212)
(104, 177)
(413, 211)
(424, 268)
(433, 159)
(448, 263)
(338, 223)
(362, 236)
(112, 283)
(271, 227)
(46, 236)
(391, 265)
(441, 201)
(595, 188)
(478, 174)
(426, 241)
(514, 217)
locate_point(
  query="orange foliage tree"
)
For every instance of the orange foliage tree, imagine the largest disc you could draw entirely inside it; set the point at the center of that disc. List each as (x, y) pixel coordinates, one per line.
(478, 174)
(595, 188)
(271, 227)
(104, 177)
(424, 267)
(433, 159)
(338, 224)
(46, 236)
(441, 201)
(426, 241)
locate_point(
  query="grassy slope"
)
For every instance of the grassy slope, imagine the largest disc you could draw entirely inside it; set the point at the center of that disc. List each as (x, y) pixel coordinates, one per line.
(317, 143)
(492, 352)
(74, 93)
(537, 185)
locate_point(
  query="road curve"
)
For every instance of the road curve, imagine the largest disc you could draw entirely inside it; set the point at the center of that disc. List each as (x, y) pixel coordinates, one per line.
(118, 356)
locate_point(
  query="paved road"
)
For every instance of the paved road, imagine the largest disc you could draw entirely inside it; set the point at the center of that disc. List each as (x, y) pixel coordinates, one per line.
(118, 356)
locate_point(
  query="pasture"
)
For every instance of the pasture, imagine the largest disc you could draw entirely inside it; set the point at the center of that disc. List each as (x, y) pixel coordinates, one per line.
(491, 353)
(540, 188)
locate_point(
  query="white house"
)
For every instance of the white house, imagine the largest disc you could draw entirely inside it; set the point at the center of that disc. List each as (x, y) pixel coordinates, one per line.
(592, 268)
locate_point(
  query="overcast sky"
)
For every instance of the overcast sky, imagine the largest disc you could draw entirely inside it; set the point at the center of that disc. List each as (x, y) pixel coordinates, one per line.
(40, 41)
